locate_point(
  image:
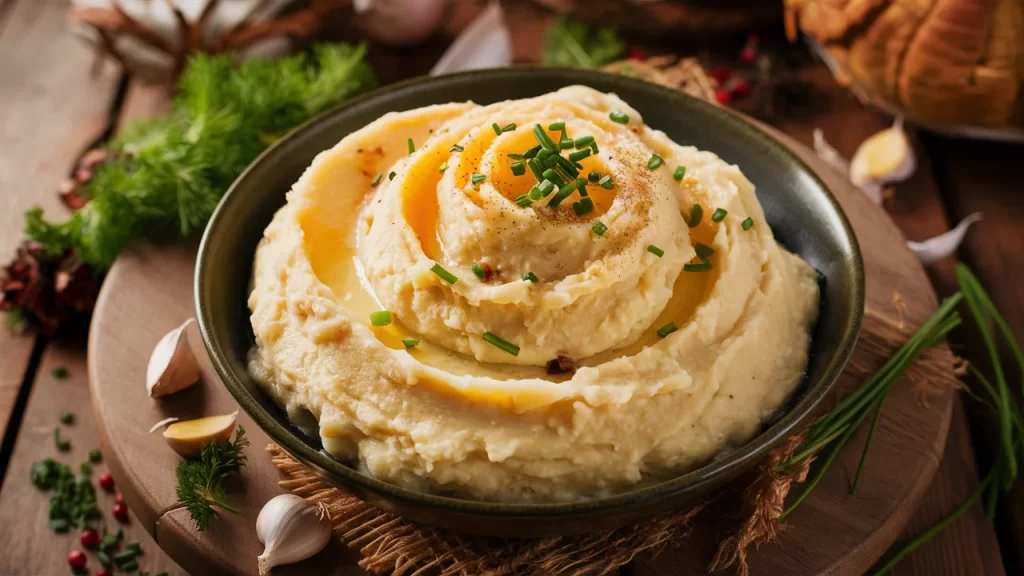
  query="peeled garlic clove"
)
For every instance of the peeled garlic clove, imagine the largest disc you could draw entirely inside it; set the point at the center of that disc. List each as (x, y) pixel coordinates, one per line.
(292, 529)
(172, 366)
(884, 158)
(934, 249)
(187, 437)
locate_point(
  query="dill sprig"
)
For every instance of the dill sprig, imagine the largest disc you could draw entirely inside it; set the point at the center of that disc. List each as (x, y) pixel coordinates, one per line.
(167, 174)
(576, 44)
(201, 482)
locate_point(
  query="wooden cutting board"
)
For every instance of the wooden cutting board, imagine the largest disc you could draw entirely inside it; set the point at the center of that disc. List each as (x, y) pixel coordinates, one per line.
(149, 292)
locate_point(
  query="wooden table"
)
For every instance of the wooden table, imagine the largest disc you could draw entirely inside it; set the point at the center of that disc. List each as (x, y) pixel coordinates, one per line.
(54, 104)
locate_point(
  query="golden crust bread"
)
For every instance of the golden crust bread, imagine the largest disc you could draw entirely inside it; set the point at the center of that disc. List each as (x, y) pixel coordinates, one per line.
(944, 61)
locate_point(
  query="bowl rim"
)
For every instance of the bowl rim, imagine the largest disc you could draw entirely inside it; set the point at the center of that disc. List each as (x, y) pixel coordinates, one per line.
(695, 479)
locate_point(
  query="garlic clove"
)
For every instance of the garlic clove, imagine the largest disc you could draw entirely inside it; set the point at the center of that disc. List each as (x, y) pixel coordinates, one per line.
(172, 365)
(938, 247)
(485, 43)
(187, 437)
(400, 22)
(884, 158)
(292, 529)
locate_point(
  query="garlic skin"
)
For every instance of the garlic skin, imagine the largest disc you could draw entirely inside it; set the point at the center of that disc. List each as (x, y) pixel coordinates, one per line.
(400, 22)
(172, 365)
(485, 43)
(163, 424)
(292, 529)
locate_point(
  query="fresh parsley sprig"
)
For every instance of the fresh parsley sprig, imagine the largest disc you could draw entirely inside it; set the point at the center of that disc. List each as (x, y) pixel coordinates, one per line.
(167, 174)
(201, 482)
(576, 44)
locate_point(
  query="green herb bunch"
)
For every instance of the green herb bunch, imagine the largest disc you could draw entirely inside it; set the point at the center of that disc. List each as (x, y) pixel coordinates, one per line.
(575, 44)
(201, 482)
(168, 174)
(73, 502)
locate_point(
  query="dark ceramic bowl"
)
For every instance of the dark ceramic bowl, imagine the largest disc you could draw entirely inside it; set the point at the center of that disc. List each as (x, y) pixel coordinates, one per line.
(798, 206)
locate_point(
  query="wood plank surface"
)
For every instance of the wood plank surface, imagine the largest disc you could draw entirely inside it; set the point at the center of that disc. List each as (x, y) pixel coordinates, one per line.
(34, 548)
(985, 177)
(43, 131)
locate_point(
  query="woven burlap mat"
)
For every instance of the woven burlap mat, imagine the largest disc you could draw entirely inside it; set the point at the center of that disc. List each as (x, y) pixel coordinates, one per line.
(388, 543)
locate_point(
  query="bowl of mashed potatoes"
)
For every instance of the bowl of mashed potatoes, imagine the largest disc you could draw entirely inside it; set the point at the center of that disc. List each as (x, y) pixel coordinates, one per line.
(529, 301)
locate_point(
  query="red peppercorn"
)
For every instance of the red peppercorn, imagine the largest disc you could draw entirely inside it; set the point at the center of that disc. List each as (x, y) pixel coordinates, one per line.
(121, 512)
(724, 97)
(721, 74)
(637, 54)
(748, 54)
(741, 87)
(118, 498)
(107, 482)
(90, 538)
(76, 559)
(103, 573)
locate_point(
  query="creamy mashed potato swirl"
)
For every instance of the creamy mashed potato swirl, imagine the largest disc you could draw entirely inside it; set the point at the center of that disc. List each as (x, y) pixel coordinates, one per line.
(519, 349)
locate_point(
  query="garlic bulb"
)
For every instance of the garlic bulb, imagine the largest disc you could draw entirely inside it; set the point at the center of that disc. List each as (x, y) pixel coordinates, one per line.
(172, 366)
(400, 22)
(483, 44)
(292, 529)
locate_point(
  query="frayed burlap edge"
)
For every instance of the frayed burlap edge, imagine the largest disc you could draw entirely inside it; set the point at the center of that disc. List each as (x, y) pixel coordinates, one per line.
(388, 543)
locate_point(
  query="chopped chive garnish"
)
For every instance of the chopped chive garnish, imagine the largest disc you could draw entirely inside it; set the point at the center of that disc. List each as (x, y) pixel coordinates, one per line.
(377, 180)
(594, 176)
(584, 206)
(553, 176)
(59, 372)
(515, 156)
(667, 329)
(563, 193)
(477, 178)
(531, 277)
(704, 251)
(606, 182)
(679, 173)
(500, 342)
(655, 250)
(543, 154)
(543, 139)
(583, 142)
(581, 185)
(95, 455)
(577, 156)
(444, 274)
(556, 126)
(619, 117)
(380, 318)
(719, 215)
(391, 176)
(412, 147)
(410, 342)
(702, 267)
(534, 194)
(748, 224)
(565, 144)
(594, 147)
(524, 200)
(479, 271)
(456, 148)
(63, 444)
(550, 161)
(545, 187)
(518, 168)
(599, 228)
(508, 127)
(443, 167)
(532, 152)
(67, 418)
(696, 214)
(535, 167)
(655, 162)
(497, 129)
(568, 166)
